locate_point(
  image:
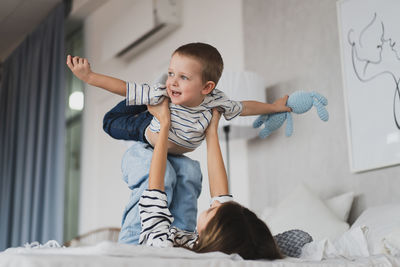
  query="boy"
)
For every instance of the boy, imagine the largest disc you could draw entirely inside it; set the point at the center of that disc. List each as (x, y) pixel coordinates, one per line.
(193, 73)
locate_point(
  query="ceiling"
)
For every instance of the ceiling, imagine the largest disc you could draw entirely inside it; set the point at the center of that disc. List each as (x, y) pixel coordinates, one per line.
(18, 18)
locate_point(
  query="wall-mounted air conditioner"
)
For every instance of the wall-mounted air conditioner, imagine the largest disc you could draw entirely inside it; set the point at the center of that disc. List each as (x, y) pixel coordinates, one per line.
(139, 25)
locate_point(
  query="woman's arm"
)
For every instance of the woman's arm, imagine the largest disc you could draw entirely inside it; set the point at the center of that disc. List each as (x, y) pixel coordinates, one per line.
(159, 159)
(155, 216)
(217, 177)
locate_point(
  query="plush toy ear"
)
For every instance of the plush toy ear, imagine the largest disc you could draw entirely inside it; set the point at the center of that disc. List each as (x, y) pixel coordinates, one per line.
(259, 121)
(264, 133)
(289, 125)
(273, 122)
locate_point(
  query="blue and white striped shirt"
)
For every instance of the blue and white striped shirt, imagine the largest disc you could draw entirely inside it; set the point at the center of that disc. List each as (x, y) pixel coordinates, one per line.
(187, 123)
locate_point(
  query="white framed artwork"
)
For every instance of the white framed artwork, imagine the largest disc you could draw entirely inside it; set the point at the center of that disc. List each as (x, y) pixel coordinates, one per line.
(369, 33)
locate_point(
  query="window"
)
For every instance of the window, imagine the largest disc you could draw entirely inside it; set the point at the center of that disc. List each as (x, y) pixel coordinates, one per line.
(73, 114)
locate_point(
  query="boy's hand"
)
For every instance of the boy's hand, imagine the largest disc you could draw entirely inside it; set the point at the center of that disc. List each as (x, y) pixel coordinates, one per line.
(279, 105)
(80, 67)
(161, 112)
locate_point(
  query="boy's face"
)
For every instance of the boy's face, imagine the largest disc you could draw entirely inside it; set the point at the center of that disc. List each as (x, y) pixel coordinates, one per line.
(184, 84)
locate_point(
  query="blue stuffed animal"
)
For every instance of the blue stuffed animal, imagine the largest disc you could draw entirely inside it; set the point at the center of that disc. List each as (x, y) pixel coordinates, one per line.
(299, 102)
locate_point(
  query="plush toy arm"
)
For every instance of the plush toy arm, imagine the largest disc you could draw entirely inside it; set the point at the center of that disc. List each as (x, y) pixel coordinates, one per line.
(320, 98)
(321, 110)
(260, 120)
(289, 124)
(320, 102)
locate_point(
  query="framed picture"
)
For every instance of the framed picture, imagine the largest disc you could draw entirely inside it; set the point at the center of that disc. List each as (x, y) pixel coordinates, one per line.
(369, 33)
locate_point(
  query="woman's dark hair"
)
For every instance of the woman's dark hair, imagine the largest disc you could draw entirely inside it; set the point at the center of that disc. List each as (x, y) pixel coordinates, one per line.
(236, 229)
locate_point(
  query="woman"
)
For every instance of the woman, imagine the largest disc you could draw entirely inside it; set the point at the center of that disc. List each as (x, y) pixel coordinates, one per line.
(227, 227)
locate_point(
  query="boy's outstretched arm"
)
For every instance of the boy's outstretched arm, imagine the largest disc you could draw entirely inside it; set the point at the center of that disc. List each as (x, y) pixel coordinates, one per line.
(81, 69)
(258, 108)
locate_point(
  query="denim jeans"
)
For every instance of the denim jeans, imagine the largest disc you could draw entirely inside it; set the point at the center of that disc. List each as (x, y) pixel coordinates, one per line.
(127, 122)
(183, 176)
(183, 180)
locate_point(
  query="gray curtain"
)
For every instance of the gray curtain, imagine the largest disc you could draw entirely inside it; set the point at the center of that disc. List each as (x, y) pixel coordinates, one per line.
(32, 128)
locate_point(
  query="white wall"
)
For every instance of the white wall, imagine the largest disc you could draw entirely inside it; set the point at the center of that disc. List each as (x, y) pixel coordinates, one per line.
(295, 45)
(103, 193)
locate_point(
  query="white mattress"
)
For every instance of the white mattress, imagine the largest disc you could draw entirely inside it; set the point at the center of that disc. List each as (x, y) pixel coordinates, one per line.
(108, 254)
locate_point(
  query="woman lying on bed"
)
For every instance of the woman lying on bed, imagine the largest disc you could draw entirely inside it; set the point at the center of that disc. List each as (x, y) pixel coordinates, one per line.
(227, 227)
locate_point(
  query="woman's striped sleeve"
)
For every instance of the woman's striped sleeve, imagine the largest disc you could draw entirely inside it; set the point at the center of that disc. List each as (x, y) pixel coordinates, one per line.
(156, 219)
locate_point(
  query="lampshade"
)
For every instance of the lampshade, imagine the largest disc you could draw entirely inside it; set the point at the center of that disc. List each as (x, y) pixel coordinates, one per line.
(239, 86)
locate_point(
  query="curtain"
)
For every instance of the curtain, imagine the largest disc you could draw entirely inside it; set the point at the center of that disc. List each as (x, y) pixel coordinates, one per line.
(32, 129)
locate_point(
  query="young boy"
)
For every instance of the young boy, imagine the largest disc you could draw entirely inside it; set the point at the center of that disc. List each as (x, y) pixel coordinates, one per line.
(193, 73)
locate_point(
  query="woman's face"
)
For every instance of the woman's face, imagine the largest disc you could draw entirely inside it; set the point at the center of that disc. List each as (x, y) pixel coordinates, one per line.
(206, 216)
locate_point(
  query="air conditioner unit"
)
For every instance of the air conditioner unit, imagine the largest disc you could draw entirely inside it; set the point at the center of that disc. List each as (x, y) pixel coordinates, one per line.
(139, 25)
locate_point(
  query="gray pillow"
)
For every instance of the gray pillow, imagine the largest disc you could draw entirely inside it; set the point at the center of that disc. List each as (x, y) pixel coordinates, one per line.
(291, 242)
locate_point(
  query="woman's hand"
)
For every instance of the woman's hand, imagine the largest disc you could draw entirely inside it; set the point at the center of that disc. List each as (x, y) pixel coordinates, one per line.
(161, 112)
(213, 126)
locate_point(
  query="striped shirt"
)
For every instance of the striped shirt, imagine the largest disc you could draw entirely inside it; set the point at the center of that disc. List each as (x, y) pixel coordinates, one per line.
(156, 220)
(187, 123)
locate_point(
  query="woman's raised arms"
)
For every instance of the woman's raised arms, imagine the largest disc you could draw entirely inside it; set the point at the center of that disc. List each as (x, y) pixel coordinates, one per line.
(217, 177)
(159, 159)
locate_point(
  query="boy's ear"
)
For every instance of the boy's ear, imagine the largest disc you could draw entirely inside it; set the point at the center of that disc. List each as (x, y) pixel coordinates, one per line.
(208, 87)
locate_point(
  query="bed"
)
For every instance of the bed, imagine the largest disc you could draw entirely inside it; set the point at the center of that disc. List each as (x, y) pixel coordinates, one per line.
(114, 254)
(372, 240)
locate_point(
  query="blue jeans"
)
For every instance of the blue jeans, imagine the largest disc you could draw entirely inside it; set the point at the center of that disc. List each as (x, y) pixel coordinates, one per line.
(183, 176)
(127, 122)
(183, 180)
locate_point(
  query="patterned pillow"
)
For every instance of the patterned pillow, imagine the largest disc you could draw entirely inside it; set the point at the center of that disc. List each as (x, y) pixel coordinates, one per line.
(291, 242)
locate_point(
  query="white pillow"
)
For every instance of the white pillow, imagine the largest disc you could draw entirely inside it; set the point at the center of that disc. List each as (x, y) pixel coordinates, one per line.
(303, 210)
(340, 205)
(381, 222)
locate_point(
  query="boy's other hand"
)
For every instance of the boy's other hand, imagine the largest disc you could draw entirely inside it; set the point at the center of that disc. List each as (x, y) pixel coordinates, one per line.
(280, 104)
(161, 112)
(80, 67)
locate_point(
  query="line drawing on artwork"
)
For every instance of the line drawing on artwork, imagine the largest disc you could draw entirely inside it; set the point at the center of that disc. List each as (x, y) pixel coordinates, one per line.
(373, 54)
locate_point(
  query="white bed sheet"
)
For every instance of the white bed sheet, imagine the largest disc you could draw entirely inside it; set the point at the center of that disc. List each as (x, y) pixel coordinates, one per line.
(109, 254)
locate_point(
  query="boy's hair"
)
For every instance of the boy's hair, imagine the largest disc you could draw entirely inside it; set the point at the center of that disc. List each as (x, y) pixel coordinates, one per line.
(209, 58)
(236, 229)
